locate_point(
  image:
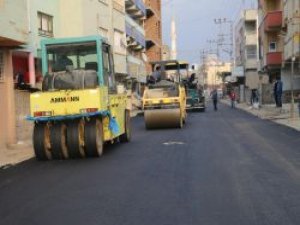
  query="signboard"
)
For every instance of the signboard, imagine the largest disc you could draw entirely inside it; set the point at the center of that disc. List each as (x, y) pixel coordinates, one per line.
(238, 71)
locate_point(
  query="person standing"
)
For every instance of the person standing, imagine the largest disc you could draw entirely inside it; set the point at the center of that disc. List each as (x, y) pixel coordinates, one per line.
(232, 98)
(214, 97)
(278, 92)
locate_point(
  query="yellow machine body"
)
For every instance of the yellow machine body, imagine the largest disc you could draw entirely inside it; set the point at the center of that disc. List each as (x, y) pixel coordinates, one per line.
(163, 109)
(65, 103)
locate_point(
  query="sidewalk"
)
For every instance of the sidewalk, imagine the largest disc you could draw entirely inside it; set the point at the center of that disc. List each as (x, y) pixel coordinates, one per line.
(15, 154)
(270, 112)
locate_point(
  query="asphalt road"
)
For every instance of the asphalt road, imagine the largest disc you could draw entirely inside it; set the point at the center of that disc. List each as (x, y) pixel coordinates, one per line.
(223, 168)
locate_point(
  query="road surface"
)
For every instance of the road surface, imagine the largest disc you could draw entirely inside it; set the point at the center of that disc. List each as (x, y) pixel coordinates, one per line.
(223, 168)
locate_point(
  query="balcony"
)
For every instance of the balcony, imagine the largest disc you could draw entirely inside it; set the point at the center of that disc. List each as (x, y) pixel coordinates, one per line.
(274, 59)
(251, 39)
(273, 21)
(135, 34)
(135, 8)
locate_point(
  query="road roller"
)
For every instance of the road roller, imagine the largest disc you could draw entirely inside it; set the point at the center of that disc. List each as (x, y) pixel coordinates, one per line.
(164, 99)
(79, 108)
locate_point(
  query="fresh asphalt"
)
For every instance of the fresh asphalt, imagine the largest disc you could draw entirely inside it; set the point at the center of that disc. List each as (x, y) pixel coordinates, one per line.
(223, 168)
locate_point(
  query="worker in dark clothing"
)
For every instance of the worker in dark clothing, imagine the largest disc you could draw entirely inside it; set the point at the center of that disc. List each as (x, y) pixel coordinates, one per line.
(214, 97)
(62, 63)
(278, 92)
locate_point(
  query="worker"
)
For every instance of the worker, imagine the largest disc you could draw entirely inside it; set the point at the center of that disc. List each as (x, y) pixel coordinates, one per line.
(278, 92)
(232, 98)
(156, 75)
(62, 63)
(214, 97)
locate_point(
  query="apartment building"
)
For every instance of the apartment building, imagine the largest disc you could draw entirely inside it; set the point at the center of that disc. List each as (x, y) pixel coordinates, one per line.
(13, 34)
(271, 42)
(246, 48)
(136, 43)
(291, 31)
(214, 70)
(153, 30)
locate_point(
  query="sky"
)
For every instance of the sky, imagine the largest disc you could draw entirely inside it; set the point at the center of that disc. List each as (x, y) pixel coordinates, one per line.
(195, 23)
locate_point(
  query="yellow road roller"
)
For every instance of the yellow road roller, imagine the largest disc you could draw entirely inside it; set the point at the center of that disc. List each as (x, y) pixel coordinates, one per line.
(164, 99)
(79, 108)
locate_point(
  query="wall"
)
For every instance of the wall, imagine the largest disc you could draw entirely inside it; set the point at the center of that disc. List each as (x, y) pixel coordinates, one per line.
(7, 118)
(50, 7)
(14, 26)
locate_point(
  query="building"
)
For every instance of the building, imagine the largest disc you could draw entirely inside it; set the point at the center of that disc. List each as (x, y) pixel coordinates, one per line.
(246, 48)
(271, 42)
(153, 30)
(13, 34)
(279, 43)
(136, 42)
(214, 71)
(291, 53)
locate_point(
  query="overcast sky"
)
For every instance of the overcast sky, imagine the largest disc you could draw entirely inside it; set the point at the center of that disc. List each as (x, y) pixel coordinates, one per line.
(195, 22)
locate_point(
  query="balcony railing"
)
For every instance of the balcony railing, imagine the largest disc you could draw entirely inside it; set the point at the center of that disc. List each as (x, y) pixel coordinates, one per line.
(274, 58)
(273, 21)
(136, 7)
(134, 31)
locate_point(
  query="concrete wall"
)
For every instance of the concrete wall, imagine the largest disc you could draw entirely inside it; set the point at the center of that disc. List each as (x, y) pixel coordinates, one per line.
(49, 7)
(13, 22)
(7, 103)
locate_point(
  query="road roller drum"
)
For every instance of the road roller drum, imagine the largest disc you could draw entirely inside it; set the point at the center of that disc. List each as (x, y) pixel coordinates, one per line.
(163, 118)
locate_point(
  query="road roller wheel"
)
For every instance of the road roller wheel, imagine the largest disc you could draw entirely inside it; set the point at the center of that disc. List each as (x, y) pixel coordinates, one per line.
(58, 141)
(41, 141)
(75, 139)
(126, 137)
(93, 138)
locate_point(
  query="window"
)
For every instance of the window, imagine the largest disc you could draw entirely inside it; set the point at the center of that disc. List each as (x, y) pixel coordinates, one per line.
(45, 24)
(251, 52)
(272, 47)
(108, 74)
(119, 42)
(103, 32)
(1, 65)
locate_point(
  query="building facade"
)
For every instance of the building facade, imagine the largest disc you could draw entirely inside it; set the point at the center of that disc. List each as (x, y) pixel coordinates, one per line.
(13, 34)
(246, 50)
(213, 72)
(291, 53)
(153, 30)
(271, 43)
(136, 43)
(279, 43)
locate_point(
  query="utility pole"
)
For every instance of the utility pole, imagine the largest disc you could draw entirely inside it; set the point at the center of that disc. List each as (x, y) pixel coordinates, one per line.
(221, 39)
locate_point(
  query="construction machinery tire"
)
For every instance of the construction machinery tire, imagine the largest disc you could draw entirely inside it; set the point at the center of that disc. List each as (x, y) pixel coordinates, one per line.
(75, 139)
(59, 148)
(93, 138)
(41, 141)
(126, 137)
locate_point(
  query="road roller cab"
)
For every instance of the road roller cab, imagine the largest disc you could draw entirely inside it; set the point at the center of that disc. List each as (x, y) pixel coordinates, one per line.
(164, 98)
(78, 109)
